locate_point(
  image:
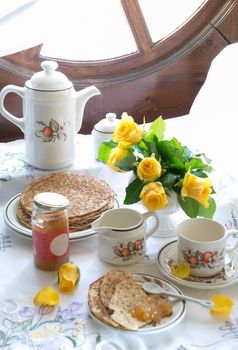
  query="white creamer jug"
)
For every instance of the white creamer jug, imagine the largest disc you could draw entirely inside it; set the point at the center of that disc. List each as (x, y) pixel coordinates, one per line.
(52, 116)
(122, 234)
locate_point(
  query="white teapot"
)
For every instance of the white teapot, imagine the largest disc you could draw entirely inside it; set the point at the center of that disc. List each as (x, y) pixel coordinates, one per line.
(52, 116)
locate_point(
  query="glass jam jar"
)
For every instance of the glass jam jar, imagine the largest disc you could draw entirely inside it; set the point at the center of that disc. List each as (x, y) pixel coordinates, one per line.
(50, 230)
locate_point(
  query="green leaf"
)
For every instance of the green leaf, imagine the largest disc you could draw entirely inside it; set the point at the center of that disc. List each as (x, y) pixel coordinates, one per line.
(142, 148)
(194, 163)
(133, 191)
(199, 173)
(105, 149)
(171, 152)
(193, 208)
(208, 212)
(127, 162)
(189, 206)
(197, 163)
(168, 180)
(187, 153)
(158, 128)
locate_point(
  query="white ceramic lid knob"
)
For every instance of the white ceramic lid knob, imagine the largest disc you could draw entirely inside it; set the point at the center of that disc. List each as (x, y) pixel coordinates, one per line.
(108, 124)
(49, 66)
(49, 79)
(111, 116)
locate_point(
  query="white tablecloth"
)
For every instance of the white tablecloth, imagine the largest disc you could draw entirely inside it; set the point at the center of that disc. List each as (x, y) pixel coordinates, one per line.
(69, 325)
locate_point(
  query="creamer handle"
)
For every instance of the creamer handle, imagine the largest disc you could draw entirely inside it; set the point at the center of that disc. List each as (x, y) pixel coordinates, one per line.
(155, 227)
(6, 90)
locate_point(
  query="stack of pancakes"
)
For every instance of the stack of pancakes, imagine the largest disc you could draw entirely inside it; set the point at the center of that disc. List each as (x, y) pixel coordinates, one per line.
(88, 197)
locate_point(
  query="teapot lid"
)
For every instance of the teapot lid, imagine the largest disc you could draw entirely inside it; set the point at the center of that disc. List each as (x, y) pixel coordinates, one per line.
(49, 79)
(108, 124)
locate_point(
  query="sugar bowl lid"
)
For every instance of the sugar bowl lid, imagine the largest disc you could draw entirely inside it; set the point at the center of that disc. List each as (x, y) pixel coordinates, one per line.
(49, 79)
(107, 125)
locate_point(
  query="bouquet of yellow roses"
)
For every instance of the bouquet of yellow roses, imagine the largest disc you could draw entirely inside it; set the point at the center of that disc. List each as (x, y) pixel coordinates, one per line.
(160, 167)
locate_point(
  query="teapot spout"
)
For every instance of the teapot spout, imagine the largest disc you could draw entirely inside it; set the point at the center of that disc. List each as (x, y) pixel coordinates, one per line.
(81, 99)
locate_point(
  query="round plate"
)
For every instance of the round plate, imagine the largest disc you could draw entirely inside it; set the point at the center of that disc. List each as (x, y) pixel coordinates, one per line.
(14, 223)
(179, 309)
(228, 276)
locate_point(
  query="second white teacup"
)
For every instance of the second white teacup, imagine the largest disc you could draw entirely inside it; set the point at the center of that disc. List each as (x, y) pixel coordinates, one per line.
(122, 235)
(202, 243)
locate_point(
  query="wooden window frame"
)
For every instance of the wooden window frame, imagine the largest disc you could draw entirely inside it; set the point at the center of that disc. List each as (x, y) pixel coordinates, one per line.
(149, 54)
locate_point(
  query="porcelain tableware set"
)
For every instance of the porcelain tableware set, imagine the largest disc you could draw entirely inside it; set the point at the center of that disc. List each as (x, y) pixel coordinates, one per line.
(201, 242)
(122, 235)
(205, 245)
(52, 116)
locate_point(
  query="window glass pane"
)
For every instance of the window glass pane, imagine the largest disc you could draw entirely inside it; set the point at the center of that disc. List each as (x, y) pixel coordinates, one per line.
(89, 30)
(165, 16)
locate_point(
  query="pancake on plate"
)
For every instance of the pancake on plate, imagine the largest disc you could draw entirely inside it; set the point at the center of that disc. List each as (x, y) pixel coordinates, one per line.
(88, 197)
(119, 300)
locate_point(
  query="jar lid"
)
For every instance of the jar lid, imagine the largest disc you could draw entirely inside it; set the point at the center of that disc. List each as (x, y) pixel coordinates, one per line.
(49, 79)
(51, 201)
(108, 124)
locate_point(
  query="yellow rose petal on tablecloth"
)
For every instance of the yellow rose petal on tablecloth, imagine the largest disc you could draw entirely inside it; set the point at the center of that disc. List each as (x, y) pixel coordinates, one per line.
(47, 296)
(222, 304)
(68, 277)
(182, 270)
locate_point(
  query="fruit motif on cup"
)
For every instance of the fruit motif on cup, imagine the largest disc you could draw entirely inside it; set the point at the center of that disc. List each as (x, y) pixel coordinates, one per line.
(198, 259)
(208, 257)
(193, 260)
(128, 250)
(52, 131)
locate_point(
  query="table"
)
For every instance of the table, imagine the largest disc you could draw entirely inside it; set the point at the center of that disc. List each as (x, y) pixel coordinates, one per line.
(69, 325)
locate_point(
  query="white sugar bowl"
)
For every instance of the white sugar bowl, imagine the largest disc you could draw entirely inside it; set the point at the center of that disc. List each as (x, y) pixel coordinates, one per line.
(103, 131)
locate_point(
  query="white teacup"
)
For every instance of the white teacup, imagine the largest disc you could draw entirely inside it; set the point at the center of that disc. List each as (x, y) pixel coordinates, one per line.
(203, 244)
(122, 234)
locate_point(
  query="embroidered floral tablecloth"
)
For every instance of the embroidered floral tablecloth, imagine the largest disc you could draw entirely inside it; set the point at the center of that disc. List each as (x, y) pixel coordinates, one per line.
(69, 326)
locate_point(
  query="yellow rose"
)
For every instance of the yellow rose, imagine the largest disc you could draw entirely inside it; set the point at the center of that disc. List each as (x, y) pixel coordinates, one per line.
(127, 132)
(197, 188)
(153, 196)
(115, 156)
(149, 169)
(68, 277)
(47, 296)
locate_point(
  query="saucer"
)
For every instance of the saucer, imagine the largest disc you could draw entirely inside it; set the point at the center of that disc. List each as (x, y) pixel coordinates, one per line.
(228, 276)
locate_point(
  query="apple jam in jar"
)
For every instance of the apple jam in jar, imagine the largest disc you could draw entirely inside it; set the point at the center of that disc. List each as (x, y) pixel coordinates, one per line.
(50, 230)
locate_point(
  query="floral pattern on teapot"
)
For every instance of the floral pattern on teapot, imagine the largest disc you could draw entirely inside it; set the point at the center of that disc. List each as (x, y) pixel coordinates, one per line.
(52, 131)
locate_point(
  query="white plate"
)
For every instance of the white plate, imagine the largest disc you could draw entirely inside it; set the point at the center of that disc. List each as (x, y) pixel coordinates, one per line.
(14, 223)
(179, 309)
(167, 255)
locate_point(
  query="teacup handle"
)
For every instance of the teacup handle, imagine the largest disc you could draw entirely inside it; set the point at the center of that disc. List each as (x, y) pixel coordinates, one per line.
(148, 215)
(235, 245)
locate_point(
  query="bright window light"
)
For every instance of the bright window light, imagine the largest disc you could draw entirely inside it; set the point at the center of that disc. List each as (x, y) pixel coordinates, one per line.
(165, 16)
(89, 30)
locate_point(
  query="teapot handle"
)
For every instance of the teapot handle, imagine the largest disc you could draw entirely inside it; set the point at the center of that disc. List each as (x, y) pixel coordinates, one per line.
(6, 90)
